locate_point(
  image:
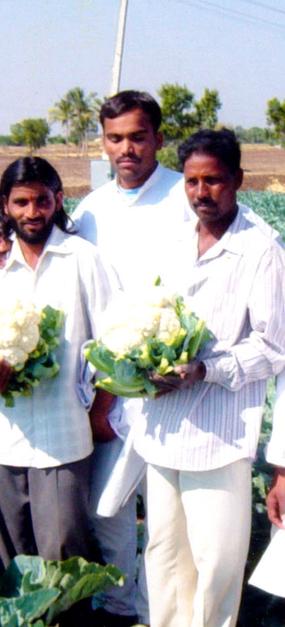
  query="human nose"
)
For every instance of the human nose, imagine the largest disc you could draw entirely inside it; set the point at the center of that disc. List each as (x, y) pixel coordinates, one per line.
(127, 146)
(202, 189)
(32, 209)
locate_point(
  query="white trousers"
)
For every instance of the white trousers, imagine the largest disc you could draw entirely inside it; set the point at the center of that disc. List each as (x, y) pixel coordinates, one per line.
(199, 530)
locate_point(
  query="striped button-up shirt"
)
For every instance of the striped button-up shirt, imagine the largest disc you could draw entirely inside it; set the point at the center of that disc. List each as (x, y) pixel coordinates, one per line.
(237, 286)
(52, 427)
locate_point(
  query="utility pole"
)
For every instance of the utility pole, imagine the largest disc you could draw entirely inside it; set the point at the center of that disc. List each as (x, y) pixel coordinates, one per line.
(117, 65)
(100, 168)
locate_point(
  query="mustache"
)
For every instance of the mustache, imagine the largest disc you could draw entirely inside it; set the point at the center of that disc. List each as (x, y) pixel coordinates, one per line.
(206, 202)
(33, 221)
(129, 157)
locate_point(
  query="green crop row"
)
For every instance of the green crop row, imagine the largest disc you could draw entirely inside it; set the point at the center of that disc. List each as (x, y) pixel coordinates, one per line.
(270, 206)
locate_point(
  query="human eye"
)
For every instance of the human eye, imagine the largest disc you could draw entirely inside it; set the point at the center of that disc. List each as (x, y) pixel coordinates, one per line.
(138, 137)
(20, 202)
(214, 180)
(113, 138)
(43, 201)
(191, 182)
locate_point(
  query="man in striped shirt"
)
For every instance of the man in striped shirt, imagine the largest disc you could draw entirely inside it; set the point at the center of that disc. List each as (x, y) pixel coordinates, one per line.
(200, 439)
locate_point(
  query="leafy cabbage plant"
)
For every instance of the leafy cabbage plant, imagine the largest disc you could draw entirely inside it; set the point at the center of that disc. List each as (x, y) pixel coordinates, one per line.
(34, 591)
(150, 333)
(28, 339)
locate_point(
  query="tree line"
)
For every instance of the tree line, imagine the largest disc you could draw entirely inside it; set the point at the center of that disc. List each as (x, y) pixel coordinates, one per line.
(182, 114)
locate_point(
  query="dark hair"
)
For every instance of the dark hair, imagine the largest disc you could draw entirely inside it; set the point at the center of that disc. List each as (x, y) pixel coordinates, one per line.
(222, 144)
(3, 228)
(125, 101)
(32, 170)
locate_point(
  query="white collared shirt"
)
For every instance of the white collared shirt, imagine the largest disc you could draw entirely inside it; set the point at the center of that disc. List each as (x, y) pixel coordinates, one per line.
(51, 427)
(136, 233)
(237, 286)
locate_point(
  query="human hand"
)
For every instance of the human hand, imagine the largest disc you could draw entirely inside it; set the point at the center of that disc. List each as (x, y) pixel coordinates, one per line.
(276, 499)
(5, 374)
(181, 378)
(98, 414)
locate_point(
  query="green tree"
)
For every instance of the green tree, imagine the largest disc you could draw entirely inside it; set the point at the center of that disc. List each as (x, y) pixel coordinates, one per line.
(176, 103)
(78, 113)
(32, 132)
(182, 114)
(62, 112)
(254, 135)
(207, 109)
(5, 140)
(276, 117)
(168, 157)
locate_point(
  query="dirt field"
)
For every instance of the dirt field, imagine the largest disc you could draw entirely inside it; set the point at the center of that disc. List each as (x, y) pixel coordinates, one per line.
(264, 166)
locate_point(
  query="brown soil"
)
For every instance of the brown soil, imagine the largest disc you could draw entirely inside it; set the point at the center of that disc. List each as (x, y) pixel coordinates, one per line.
(72, 165)
(264, 166)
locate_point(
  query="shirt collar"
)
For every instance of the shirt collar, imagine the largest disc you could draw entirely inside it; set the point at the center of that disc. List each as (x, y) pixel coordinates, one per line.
(231, 240)
(58, 242)
(152, 179)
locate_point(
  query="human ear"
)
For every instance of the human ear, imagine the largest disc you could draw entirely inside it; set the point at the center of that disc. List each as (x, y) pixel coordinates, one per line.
(58, 201)
(239, 178)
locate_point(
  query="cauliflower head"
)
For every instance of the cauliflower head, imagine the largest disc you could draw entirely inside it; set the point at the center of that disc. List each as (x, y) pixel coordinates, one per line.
(130, 321)
(19, 331)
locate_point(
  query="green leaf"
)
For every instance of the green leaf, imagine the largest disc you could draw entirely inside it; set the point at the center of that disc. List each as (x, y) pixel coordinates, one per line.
(24, 609)
(99, 356)
(118, 389)
(78, 579)
(32, 588)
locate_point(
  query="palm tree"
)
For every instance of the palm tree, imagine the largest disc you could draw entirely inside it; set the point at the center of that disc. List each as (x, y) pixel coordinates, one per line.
(78, 114)
(62, 112)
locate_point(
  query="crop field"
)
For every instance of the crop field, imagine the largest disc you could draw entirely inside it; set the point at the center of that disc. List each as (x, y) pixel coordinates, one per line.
(269, 205)
(264, 166)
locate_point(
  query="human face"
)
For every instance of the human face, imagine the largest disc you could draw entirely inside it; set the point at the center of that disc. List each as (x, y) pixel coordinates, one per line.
(211, 188)
(131, 144)
(31, 210)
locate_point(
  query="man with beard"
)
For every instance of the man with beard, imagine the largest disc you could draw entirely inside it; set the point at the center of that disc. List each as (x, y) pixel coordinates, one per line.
(46, 439)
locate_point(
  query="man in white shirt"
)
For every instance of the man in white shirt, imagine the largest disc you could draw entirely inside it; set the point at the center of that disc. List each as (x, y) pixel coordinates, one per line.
(136, 220)
(46, 439)
(199, 440)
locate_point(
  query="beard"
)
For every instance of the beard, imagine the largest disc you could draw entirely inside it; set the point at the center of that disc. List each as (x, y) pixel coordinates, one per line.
(30, 237)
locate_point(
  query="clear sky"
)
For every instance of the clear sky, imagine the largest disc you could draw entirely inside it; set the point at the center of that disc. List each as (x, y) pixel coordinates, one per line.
(234, 46)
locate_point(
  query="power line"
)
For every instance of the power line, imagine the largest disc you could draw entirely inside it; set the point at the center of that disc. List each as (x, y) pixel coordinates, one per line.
(265, 6)
(204, 4)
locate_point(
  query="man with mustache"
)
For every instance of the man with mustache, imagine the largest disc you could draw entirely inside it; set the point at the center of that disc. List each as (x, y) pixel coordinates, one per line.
(135, 220)
(199, 440)
(46, 439)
